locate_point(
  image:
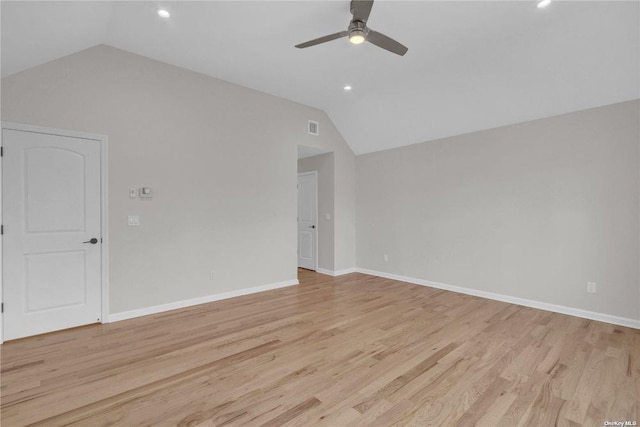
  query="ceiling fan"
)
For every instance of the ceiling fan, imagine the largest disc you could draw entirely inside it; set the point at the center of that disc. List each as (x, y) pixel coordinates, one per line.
(358, 32)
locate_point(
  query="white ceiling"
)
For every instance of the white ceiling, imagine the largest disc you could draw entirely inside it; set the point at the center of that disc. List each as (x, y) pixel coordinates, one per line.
(470, 66)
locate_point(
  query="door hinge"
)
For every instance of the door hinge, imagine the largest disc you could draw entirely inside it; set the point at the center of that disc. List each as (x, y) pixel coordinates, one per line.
(1, 151)
(1, 229)
(2, 308)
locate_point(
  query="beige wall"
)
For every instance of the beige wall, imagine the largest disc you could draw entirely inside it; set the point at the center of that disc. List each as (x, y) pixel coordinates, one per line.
(345, 211)
(221, 159)
(323, 164)
(533, 210)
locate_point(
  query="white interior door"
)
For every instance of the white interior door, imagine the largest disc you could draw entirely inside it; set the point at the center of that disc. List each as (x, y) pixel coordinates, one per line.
(52, 232)
(307, 219)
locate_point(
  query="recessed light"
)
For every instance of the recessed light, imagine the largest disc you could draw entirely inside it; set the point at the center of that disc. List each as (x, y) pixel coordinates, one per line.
(347, 88)
(544, 3)
(163, 13)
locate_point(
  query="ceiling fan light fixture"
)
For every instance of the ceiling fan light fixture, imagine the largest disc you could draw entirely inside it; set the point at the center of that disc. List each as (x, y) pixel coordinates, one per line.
(357, 32)
(357, 37)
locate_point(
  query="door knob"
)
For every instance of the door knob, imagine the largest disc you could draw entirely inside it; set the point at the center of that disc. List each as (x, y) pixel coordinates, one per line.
(312, 226)
(92, 241)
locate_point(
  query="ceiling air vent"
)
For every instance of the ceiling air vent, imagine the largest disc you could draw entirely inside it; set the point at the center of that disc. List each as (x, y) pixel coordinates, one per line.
(314, 128)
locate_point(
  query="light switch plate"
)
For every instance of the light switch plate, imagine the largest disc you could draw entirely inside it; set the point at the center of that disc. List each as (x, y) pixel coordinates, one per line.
(133, 193)
(145, 193)
(133, 220)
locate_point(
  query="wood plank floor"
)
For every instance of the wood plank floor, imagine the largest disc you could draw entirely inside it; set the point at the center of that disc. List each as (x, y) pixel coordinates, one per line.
(353, 350)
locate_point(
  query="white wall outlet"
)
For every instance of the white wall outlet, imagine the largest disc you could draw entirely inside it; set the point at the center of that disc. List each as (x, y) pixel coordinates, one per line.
(133, 193)
(591, 287)
(212, 275)
(133, 220)
(385, 257)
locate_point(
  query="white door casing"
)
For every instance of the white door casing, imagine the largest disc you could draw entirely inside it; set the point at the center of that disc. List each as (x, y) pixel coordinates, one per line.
(308, 220)
(52, 205)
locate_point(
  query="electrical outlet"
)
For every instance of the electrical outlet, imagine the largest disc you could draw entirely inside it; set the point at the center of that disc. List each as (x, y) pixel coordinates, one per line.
(133, 220)
(386, 257)
(212, 275)
(591, 287)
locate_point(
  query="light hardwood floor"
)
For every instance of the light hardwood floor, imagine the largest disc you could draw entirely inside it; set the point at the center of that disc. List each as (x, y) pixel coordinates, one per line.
(353, 350)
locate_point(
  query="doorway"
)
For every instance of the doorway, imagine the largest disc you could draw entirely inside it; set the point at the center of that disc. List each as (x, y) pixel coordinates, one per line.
(314, 159)
(308, 220)
(54, 230)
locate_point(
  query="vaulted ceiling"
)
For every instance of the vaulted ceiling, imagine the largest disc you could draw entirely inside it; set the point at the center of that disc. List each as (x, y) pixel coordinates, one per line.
(470, 66)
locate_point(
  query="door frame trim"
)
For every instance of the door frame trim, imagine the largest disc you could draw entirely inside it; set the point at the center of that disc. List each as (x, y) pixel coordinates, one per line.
(104, 211)
(315, 255)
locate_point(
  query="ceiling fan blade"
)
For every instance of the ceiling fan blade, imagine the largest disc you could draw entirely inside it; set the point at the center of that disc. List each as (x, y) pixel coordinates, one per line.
(386, 43)
(322, 39)
(361, 9)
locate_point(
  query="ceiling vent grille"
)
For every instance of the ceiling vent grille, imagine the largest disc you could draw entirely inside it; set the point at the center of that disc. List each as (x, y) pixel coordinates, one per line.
(314, 128)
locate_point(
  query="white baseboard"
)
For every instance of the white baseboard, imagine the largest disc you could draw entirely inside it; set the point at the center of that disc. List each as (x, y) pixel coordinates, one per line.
(591, 315)
(337, 272)
(116, 317)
